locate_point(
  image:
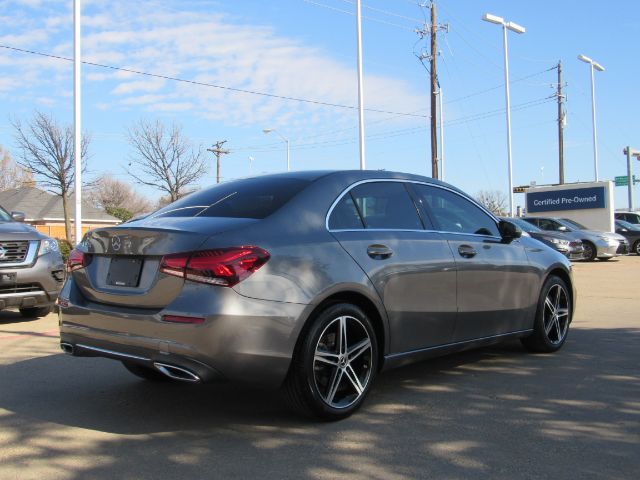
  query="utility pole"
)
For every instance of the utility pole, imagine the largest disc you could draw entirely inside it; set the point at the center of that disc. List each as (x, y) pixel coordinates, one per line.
(561, 119)
(218, 151)
(434, 90)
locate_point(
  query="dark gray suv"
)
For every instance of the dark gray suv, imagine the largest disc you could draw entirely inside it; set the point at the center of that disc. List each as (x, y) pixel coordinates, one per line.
(31, 267)
(313, 281)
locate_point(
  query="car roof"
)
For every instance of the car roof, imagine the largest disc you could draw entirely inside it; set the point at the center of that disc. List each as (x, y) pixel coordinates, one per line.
(365, 174)
(357, 175)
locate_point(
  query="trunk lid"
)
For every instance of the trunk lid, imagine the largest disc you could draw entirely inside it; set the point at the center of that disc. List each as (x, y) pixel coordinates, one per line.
(124, 269)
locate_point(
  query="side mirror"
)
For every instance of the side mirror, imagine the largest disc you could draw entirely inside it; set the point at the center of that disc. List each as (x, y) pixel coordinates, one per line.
(18, 216)
(508, 231)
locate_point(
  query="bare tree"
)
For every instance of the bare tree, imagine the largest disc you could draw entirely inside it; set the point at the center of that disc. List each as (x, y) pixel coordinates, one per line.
(110, 194)
(47, 150)
(493, 200)
(13, 175)
(164, 159)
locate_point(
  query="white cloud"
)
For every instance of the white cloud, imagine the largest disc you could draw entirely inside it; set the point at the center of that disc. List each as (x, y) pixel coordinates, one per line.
(212, 49)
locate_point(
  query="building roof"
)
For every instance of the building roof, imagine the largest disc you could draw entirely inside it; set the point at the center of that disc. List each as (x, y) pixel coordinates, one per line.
(38, 205)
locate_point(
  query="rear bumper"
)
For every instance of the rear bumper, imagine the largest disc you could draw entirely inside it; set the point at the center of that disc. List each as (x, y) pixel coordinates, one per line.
(242, 339)
(80, 346)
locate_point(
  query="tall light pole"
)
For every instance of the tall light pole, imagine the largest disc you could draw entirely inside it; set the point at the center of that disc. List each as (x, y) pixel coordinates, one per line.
(77, 120)
(514, 27)
(600, 68)
(284, 139)
(360, 86)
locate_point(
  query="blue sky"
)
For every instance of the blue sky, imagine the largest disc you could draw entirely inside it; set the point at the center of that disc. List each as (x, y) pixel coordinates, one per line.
(306, 49)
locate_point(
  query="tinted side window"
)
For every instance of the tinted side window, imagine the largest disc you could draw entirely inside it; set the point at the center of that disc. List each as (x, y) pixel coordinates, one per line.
(454, 213)
(345, 215)
(532, 221)
(547, 224)
(386, 205)
(248, 198)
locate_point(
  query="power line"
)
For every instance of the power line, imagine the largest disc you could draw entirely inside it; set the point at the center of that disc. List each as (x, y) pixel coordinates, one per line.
(385, 12)
(212, 85)
(393, 117)
(484, 40)
(511, 82)
(408, 131)
(347, 12)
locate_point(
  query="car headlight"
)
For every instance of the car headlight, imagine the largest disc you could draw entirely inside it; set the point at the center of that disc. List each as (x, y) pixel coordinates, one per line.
(557, 241)
(48, 245)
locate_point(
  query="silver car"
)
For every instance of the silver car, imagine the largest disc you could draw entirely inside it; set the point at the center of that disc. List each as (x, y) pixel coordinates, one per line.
(600, 245)
(313, 281)
(31, 267)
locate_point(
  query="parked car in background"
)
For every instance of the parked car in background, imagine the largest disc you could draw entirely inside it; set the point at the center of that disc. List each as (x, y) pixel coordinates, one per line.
(601, 245)
(568, 244)
(313, 281)
(31, 267)
(630, 217)
(631, 233)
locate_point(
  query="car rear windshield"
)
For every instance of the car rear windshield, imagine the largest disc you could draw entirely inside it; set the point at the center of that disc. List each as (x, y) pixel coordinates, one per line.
(248, 198)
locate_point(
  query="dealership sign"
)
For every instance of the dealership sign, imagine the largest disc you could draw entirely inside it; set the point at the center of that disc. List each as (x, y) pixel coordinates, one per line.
(573, 199)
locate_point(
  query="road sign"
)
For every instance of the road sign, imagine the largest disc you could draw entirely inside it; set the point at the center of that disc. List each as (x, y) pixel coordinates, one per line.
(623, 181)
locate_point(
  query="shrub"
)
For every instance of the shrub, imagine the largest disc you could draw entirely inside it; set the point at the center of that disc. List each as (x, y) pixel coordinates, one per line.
(120, 213)
(65, 247)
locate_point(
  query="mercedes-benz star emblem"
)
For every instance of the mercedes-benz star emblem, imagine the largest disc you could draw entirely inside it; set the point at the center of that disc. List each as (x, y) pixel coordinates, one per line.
(115, 243)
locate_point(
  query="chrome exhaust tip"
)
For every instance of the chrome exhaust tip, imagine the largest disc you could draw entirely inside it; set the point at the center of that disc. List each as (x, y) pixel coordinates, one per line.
(66, 348)
(177, 373)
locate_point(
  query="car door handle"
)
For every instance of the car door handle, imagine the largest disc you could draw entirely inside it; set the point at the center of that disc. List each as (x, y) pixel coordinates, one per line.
(467, 251)
(379, 252)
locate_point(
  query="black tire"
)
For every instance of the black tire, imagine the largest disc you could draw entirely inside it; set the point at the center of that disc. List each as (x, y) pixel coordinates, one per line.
(590, 251)
(604, 259)
(146, 373)
(548, 334)
(636, 247)
(327, 390)
(35, 312)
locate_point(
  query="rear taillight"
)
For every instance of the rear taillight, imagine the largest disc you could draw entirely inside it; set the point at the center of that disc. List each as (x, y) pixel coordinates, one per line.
(223, 266)
(77, 260)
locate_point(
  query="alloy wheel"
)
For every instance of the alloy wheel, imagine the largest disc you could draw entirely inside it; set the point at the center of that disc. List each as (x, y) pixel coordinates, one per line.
(556, 314)
(342, 362)
(589, 253)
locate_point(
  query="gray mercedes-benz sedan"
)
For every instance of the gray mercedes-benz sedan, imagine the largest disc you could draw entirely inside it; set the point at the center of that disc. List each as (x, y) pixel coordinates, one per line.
(313, 281)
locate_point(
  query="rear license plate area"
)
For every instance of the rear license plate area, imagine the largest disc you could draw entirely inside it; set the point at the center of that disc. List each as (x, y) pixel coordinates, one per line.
(124, 272)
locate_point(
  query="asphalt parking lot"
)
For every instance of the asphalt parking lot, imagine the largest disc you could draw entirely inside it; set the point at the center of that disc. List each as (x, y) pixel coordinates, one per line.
(492, 413)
